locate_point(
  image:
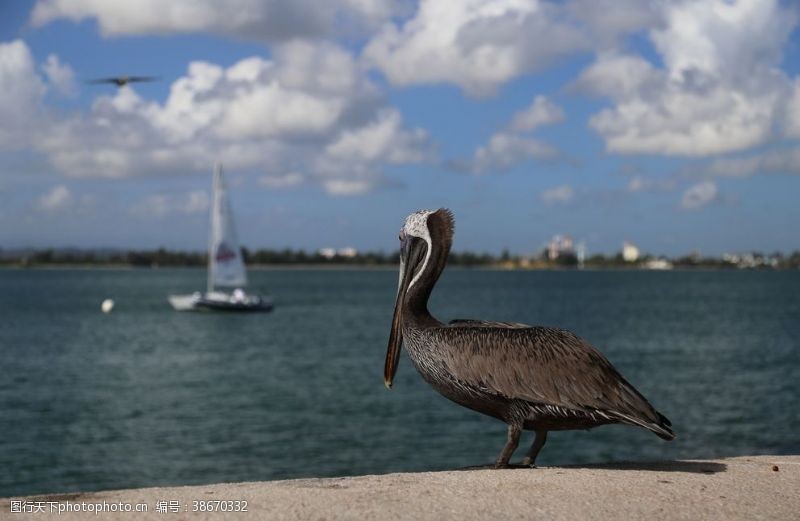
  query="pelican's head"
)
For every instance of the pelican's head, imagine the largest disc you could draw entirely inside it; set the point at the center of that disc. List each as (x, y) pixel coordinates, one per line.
(425, 240)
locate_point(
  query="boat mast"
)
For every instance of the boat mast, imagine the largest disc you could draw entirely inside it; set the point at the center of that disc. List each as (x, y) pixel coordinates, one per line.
(214, 196)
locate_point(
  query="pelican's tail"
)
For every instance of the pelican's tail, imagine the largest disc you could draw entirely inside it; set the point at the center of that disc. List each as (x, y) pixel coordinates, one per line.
(661, 428)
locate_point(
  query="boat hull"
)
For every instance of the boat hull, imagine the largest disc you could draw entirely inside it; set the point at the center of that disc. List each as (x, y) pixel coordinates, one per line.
(220, 302)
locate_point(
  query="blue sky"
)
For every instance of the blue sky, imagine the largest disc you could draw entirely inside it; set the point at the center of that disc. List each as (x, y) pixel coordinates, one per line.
(671, 124)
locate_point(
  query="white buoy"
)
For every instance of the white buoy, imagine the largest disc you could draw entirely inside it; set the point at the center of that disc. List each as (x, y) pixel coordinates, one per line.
(107, 305)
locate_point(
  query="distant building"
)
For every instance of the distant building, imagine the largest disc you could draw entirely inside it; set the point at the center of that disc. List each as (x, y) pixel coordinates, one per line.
(750, 260)
(731, 258)
(559, 245)
(330, 253)
(581, 254)
(630, 253)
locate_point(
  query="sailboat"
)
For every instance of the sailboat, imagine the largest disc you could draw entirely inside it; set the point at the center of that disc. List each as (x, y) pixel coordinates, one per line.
(226, 269)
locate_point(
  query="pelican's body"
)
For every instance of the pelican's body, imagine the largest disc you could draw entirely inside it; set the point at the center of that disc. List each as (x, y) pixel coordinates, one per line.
(532, 378)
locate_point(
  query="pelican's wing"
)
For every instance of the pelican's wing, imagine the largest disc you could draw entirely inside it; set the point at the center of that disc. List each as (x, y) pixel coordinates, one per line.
(543, 365)
(141, 78)
(102, 80)
(468, 322)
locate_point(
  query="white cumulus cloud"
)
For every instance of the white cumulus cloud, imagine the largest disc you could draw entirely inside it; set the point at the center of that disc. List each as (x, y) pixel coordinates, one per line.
(308, 109)
(507, 148)
(58, 198)
(22, 90)
(262, 20)
(792, 124)
(720, 89)
(383, 139)
(699, 195)
(541, 112)
(60, 76)
(476, 44)
(777, 161)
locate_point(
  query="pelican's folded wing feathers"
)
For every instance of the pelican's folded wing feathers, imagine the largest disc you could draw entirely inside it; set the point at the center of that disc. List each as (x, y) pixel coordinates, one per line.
(543, 365)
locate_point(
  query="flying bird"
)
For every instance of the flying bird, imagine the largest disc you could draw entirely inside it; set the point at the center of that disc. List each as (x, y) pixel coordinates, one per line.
(121, 81)
(530, 377)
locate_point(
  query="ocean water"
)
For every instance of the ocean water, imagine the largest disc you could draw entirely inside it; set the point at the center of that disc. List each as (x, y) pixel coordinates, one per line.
(147, 396)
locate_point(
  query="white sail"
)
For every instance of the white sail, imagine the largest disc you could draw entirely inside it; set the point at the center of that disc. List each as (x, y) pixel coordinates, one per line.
(225, 264)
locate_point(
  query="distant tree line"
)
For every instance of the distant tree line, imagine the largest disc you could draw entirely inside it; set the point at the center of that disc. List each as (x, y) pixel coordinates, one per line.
(290, 256)
(163, 257)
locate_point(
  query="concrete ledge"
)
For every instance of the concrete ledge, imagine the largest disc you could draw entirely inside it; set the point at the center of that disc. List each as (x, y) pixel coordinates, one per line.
(747, 488)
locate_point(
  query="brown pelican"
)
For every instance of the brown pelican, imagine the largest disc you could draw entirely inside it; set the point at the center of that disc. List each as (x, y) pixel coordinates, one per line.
(533, 378)
(121, 81)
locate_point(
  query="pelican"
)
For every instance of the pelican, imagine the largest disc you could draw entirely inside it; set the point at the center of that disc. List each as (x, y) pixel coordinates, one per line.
(121, 81)
(532, 378)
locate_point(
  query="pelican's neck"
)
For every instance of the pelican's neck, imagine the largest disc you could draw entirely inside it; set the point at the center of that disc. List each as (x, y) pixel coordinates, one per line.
(415, 306)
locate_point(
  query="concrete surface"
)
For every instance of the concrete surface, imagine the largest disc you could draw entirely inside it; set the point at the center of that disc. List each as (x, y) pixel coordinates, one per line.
(747, 488)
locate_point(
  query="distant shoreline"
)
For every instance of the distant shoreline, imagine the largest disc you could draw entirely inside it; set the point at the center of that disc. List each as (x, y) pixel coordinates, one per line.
(250, 267)
(372, 267)
(350, 259)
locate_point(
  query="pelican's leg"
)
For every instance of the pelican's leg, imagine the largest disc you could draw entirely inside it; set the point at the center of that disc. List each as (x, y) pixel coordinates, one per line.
(514, 431)
(530, 459)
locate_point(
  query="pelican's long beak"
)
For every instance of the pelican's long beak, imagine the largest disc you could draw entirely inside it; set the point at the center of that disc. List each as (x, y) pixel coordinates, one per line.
(408, 262)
